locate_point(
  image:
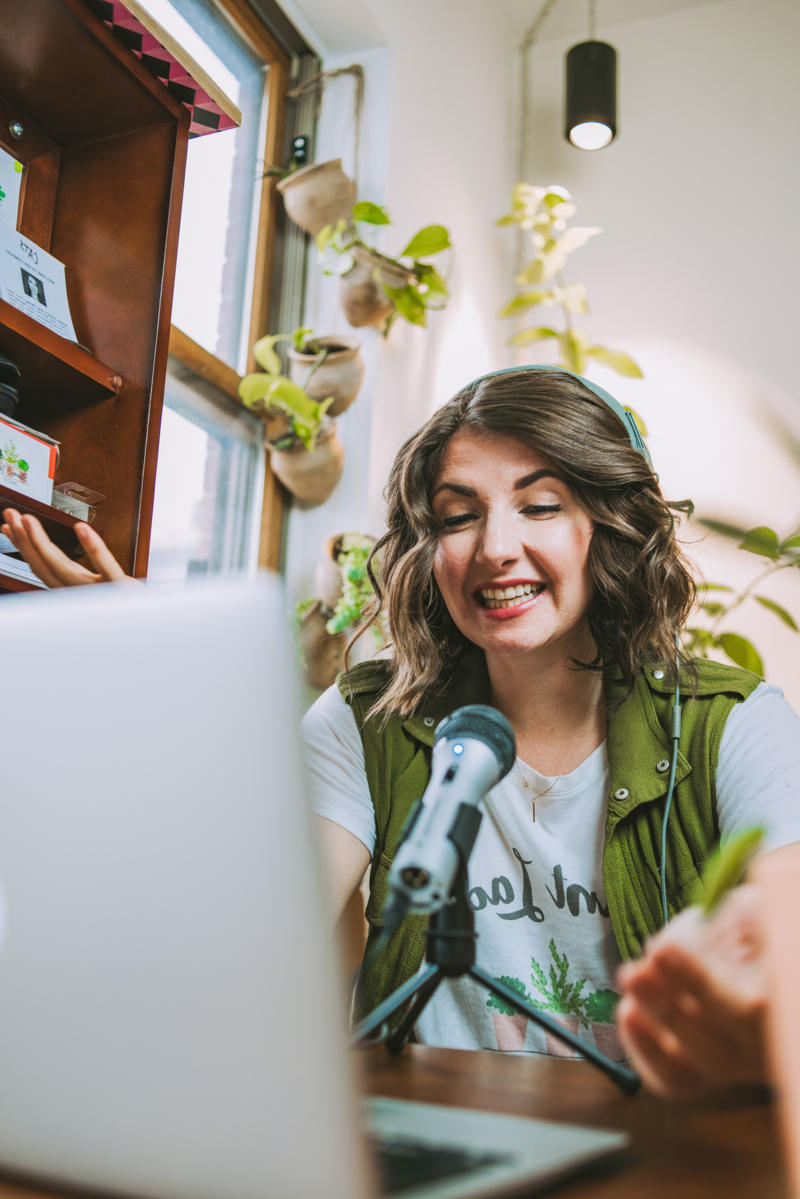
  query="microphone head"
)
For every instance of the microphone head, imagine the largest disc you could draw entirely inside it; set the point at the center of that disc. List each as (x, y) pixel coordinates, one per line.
(483, 724)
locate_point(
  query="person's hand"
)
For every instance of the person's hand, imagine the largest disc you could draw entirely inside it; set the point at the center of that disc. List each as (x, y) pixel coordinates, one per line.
(50, 563)
(692, 1007)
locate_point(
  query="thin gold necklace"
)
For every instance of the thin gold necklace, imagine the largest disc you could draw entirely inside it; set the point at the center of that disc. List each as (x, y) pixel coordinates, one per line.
(547, 790)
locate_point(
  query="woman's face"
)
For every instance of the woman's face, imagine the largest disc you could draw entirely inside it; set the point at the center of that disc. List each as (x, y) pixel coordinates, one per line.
(511, 528)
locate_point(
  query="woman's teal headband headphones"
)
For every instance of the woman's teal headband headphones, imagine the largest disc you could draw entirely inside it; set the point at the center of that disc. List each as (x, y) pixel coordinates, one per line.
(637, 442)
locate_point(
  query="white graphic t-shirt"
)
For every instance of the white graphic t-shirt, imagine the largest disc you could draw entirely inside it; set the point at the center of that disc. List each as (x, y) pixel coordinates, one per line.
(536, 886)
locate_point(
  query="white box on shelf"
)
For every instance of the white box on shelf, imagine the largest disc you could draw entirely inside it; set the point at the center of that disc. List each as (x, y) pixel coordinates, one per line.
(28, 460)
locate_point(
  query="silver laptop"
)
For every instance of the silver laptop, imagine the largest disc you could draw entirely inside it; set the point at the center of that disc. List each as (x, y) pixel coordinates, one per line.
(171, 1015)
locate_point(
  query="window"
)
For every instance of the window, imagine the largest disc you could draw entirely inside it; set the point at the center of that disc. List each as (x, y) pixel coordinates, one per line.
(210, 478)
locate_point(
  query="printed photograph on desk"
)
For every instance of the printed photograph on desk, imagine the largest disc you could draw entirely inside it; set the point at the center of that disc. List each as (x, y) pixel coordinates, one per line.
(34, 282)
(10, 183)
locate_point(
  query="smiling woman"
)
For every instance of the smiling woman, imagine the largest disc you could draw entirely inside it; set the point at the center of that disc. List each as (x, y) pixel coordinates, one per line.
(531, 563)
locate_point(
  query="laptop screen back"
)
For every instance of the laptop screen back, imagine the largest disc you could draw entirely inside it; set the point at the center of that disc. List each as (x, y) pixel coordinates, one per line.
(169, 1016)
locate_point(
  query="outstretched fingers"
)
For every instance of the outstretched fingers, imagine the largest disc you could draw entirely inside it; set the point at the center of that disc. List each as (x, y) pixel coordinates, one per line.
(45, 559)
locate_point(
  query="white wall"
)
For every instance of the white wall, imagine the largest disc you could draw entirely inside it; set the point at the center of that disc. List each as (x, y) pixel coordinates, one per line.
(694, 275)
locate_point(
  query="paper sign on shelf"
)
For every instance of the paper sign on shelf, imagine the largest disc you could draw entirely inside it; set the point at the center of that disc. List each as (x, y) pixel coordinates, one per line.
(34, 281)
(10, 180)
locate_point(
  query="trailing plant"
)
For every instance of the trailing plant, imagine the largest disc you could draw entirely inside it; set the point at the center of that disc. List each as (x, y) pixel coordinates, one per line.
(357, 589)
(561, 996)
(269, 389)
(428, 291)
(545, 212)
(782, 555)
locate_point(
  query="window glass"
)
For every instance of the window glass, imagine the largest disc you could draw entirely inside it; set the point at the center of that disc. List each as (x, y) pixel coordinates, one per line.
(210, 458)
(213, 278)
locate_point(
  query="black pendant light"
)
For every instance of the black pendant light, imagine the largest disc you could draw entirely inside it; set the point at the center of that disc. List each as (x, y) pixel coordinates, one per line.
(591, 92)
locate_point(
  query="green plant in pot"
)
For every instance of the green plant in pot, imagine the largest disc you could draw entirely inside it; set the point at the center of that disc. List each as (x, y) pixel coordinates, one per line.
(357, 590)
(329, 366)
(305, 452)
(23, 468)
(718, 601)
(376, 289)
(544, 211)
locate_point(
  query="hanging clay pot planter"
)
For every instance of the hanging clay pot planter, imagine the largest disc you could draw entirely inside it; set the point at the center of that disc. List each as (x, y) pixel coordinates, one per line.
(323, 654)
(340, 375)
(318, 195)
(328, 576)
(363, 300)
(311, 477)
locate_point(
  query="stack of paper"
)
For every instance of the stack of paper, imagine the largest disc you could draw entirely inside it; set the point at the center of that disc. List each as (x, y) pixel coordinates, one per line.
(16, 568)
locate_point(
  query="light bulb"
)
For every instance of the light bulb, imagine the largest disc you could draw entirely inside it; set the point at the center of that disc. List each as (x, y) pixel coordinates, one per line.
(591, 135)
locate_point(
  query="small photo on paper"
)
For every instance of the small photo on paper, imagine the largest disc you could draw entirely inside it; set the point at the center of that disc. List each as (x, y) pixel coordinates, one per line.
(33, 287)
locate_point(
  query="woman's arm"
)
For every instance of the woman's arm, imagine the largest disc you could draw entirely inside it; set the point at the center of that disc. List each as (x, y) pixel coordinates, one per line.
(346, 859)
(50, 563)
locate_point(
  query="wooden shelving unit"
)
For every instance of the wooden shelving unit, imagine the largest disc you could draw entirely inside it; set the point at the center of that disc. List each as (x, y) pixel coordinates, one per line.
(104, 152)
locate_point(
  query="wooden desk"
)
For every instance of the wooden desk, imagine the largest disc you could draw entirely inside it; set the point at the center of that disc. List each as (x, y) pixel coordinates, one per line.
(722, 1150)
(727, 1149)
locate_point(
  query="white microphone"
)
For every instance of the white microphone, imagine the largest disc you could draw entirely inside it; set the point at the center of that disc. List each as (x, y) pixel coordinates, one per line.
(474, 749)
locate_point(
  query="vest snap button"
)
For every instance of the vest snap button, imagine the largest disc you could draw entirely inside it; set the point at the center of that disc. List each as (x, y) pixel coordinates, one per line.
(427, 720)
(662, 766)
(658, 674)
(621, 794)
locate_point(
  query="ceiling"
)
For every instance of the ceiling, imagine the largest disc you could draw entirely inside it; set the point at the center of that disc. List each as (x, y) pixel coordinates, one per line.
(570, 18)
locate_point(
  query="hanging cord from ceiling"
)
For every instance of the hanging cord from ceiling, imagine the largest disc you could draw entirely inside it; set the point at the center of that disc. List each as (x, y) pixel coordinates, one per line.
(318, 83)
(526, 45)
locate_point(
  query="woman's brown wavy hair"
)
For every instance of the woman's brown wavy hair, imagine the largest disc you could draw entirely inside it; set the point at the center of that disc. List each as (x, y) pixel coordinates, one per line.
(643, 590)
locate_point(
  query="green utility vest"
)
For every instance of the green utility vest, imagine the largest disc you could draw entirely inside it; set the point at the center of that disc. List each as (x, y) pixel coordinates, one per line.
(398, 765)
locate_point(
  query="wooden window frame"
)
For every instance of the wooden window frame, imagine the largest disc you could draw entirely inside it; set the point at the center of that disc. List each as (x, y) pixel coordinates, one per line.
(203, 362)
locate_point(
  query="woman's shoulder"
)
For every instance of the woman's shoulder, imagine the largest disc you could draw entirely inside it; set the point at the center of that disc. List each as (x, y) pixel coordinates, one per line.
(704, 677)
(367, 678)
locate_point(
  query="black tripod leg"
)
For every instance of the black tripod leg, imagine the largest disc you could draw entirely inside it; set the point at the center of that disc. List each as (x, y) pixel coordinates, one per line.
(627, 1080)
(386, 1010)
(397, 1040)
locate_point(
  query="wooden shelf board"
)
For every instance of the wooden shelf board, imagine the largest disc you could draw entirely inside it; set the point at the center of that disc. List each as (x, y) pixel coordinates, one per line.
(9, 584)
(56, 373)
(59, 526)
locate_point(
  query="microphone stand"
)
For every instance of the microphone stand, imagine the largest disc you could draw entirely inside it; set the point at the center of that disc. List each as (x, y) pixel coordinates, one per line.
(451, 954)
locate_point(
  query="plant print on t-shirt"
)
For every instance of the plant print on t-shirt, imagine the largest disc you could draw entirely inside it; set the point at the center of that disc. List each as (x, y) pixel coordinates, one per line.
(566, 1003)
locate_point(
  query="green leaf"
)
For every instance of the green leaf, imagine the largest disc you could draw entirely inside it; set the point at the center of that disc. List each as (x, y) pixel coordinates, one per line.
(436, 295)
(527, 300)
(535, 272)
(725, 867)
(301, 336)
(526, 337)
(573, 349)
(791, 543)
(713, 608)
(408, 303)
(761, 541)
(324, 236)
(713, 587)
(264, 354)
(619, 362)
(371, 214)
(719, 526)
(740, 651)
(703, 637)
(430, 240)
(778, 610)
